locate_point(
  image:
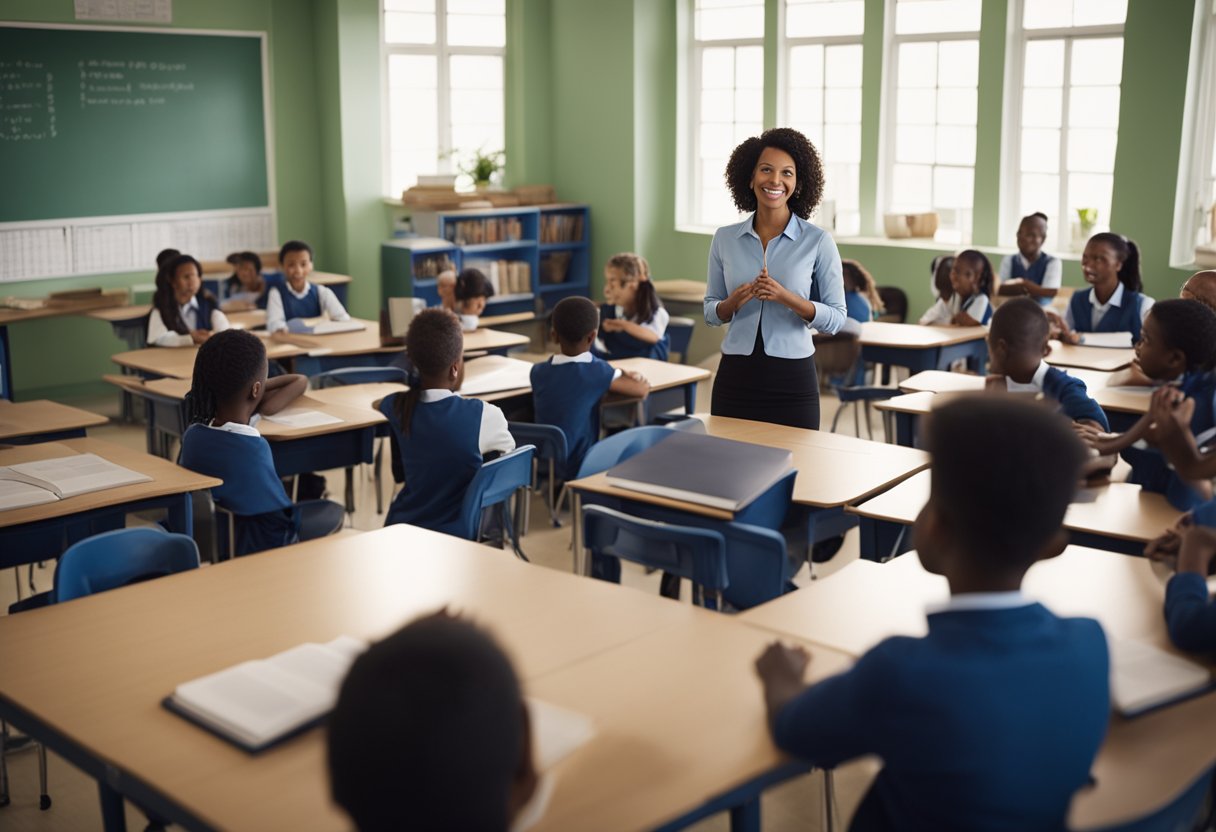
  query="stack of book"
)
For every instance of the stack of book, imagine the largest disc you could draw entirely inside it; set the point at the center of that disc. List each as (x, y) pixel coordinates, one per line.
(508, 277)
(561, 228)
(477, 232)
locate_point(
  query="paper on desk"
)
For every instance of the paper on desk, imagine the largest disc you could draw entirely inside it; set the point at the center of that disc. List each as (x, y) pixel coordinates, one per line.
(1112, 340)
(556, 732)
(494, 373)
(1144, 676)
(302, 417)
(334, 327)
(20, 494)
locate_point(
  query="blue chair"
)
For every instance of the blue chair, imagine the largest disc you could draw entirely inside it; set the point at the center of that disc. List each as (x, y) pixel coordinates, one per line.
(103, 562)
(494, 485)
(620, 446)
(551, 447)
(848, 380)
(679, 331)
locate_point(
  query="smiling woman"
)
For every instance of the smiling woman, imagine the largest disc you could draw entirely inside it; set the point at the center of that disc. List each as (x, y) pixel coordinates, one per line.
(788, 267)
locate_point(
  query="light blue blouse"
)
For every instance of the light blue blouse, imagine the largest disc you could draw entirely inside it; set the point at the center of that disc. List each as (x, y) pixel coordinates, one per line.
(804, 259)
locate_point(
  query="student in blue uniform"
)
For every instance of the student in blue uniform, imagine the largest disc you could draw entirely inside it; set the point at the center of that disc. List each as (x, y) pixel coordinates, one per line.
(183, 313)
(1017, 344)
(442, 439)
(567, 389)
(993, 719)
(970, 301)
(431, 731)
(1177, 346)
(861, 300)
(1114, 301)
(247, 288)
(228, 394)
(1190, 548)
(1032, 271)
(633, 323)
(299, 298)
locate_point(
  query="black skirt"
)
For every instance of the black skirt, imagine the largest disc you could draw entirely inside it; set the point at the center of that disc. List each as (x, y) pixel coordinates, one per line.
(781, 391)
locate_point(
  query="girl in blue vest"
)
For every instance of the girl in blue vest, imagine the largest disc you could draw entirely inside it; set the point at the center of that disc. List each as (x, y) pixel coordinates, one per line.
(1031, 272)
(441, 438)
(633, 323)
(299, 298)
(247, 288)
(861, 300)
(1114, 302)
(970, 302)
(182, 314)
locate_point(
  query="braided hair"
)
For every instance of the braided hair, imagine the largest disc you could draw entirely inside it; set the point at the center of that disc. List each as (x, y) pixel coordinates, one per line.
(226, 365)
(1189, 326)
(434, 342)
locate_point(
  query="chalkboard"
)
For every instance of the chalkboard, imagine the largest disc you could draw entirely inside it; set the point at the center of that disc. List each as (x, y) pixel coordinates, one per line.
(102, 122)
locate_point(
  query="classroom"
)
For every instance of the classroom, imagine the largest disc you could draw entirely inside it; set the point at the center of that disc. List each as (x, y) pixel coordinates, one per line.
(607, 414)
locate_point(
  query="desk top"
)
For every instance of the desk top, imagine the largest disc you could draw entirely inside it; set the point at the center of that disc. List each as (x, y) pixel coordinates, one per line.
(1107, 359)
(95, 671)
(918, 403)
(43, 416)
(510, 318)
(1136, 770)
(117, 314)
(167, 478)
(1120, 399)
(917, 337)
(833, 470)
(682, 291)
(662, 375)
(54, 308)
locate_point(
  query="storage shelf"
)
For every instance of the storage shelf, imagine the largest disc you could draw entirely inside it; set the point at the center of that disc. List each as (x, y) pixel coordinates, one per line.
(515, 298)
(505, 245)
(577, 244)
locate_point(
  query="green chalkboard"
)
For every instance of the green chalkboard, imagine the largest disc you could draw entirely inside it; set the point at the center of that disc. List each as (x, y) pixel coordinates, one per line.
(97, 122)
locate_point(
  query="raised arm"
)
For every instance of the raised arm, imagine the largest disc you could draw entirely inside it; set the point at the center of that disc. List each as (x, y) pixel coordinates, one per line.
(281, 391)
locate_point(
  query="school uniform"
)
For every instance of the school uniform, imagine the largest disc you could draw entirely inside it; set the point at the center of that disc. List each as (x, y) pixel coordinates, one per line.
(1149, 467)
(448, 438)
(978, 306)
(198, 313)
(990, 722)
(1071, 393)
(237, 454)
(1124, 312)
(624, 345)
(233, 290)
(857, 307)
(566, 392)
(285, 304)
(1045, 271)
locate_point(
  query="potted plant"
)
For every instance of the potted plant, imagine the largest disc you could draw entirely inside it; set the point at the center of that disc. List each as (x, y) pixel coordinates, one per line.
(483, 166)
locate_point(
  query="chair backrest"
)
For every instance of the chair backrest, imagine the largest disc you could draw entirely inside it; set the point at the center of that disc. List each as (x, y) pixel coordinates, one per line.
(770, 508)
(894, 304)
(620, 446)
(549, 440)
(495, 482)
(688, 424)
(836, 355)
(757, 564)
(694, 553)
(679, 331)
(358, 375)
(114, 559)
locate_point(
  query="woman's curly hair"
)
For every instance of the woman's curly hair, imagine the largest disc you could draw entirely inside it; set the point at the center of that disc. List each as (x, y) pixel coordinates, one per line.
(808, 169)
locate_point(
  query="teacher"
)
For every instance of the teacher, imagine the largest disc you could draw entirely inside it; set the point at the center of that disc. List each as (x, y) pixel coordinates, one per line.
(773, 277)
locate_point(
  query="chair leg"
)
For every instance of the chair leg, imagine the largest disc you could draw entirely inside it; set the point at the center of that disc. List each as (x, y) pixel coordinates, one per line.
(869, 425)
(4, 798)
(350, 490)
(829, 801)
(836, 418)
(17, 579)
(553, 496)
(857, 419)
(376, 476)
(509, 527)
(44, 799)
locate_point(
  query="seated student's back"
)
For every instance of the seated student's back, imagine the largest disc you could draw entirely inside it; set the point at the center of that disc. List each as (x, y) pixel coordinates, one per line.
(993, 719)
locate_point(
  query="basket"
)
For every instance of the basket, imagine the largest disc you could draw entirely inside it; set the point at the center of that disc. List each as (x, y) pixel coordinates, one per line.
(555, 266)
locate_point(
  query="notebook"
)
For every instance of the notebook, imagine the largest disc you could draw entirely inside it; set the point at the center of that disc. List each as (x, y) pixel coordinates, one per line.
(302, 417)
(48, 480)
(1144, 677)
(301, 326)
(1112, 340)
(702, 469)
(495, 373)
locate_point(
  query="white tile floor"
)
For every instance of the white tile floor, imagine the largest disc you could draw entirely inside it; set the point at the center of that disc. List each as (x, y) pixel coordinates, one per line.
(796, 805)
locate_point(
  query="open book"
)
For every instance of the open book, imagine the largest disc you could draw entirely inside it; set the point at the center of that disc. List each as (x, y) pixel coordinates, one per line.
(1113, 340)
(1144, 677)
(48, 480)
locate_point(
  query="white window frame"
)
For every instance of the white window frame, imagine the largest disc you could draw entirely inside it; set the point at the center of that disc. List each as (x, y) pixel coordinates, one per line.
(442, 53)
(1195, 184)
(890, 107)
(1011, 167)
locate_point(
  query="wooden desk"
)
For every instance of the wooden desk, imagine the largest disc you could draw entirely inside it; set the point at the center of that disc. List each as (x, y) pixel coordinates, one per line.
(169, 488)
(93, 673)
(44, 421)
(1089, 358)
(923, 347)
(121, 314)
(508, 319)
(681, 291)
(1143, 764)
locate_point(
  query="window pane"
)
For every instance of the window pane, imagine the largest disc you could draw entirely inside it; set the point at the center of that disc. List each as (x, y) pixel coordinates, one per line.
(717, 69)
(922, 16)
(843, 106)
(805, 107)
(408, 27)
(412, 71)
(822, 18)
(916, 107)
(409, 5)
(806, 66)
(956, 107)
(1087, 190)
(1094, 107)
(1091, 151)
(844, 142)
(749, 67)
(1044, 63)
(1097, 61)
(749, 105)
(843, 66)
(1041, 151)
(1098, 12)
(1042, 108)
(956, 145)
(477, 30)
(475, 72)
(958, 63)
(498, 7)
(736, 20)
(952, 187)
(717, 140)
(917, 65)
(717, 105)
(1047, 14)
(1040, 192)
(911, 187)
(915, 144)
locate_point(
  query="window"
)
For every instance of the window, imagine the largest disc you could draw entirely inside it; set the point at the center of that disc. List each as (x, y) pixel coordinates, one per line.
(930, 148)
(822, 72)
(444, 70)
(726, 104)
(1195, 214)
(1061, 143)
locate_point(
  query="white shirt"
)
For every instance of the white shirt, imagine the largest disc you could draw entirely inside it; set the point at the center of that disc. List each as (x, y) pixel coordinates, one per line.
(493, 436)
(1035, 385)
(975, 601)
(657, 324)
(1052, 278)
(160, 335)
(331, 307)
(582, 358)
(237, 427)
(943, 311)
(1100, 309)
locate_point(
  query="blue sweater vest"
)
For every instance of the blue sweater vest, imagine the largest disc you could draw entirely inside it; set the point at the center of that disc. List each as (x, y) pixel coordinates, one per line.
(274, 280)
(1035, 273)
(624, 345)
(568, 395)
(1149, 468)
(1073, 397)
(857, 307)
(439, 459)
(308, 306)
(265, 517)
(1125, 318)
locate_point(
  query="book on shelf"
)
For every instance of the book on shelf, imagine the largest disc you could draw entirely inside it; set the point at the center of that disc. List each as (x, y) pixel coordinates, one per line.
(561, 228)
(49, 480)
(1144, 677)
(431, 266)
(482, 231)
(507, 277)
(703, 469)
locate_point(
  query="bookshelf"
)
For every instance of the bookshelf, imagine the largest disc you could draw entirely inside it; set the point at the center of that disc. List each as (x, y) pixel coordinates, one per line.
(538, 254)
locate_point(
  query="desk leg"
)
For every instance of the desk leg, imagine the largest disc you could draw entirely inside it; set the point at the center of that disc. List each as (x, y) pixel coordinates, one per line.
(181, 516)
(6, 366)
(746, 818)
(690, 398)
(576, 529)
(113, 814)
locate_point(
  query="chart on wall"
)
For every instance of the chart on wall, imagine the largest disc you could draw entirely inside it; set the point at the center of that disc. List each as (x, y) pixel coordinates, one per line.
(117, 142)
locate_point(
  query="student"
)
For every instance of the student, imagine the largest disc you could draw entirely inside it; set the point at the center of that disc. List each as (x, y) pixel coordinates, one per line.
(431, 731)
(441, 438)
(969, 303)
(245, 289)
(1177, 345)
(470, 293)
(1201, 286)
(1031, 271)
(182, 314)
(567, 389)
(939, 271)
(1114, 302)
(1190, 613)
(861, 300)
(229, 392)
(299, 298)
(633, 323)
(993, 719)
(1017, 343)
(445, 286)
(163, 258)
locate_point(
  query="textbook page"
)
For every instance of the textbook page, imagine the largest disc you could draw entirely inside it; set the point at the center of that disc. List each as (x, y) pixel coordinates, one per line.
(1112, 340)
(493, 373)
(302, 417)
(69, 476)
(17, 494)
(556, 732)
(1143, 676)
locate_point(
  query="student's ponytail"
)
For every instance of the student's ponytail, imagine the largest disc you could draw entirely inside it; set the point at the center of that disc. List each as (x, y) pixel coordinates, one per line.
(405, 404)
(635, 268)
(1129, 272)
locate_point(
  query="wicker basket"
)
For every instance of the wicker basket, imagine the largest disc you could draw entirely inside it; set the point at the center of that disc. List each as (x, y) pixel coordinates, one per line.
(554, 267)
